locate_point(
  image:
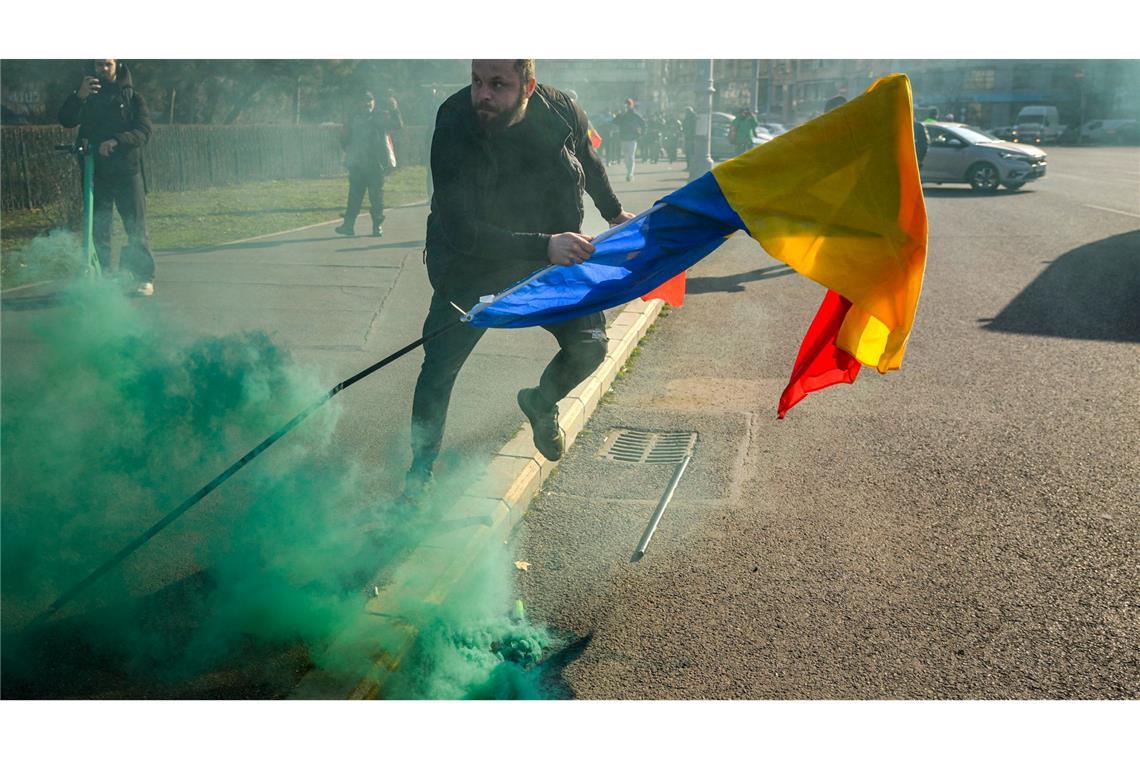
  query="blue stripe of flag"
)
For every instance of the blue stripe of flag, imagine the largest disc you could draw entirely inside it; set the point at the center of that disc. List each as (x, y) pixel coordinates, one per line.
(630, 261)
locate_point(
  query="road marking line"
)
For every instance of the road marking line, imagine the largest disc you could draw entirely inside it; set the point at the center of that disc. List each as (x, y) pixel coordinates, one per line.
(1113, 210)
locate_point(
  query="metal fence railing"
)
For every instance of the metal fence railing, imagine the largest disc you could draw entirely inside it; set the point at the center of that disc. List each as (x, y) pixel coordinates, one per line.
(34, 175)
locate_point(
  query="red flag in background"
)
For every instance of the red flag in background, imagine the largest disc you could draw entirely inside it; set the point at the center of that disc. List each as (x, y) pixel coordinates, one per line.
(820, 362)
(595, 138)
(671, 292)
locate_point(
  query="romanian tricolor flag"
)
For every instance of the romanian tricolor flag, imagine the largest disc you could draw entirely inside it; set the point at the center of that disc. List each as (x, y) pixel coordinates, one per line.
(837, 199)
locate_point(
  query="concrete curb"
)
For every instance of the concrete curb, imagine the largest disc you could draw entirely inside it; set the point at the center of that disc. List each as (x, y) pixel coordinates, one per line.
(489, 510)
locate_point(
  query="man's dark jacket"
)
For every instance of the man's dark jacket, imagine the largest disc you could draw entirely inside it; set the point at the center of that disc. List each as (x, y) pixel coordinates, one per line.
(630, 125)
(500, 197)
(118, 112)
(365, 139)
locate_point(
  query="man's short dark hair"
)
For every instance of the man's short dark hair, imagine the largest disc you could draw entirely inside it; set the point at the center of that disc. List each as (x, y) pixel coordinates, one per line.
(524, 67)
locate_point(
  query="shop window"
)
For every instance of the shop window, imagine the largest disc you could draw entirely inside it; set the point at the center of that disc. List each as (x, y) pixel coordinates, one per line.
(980, 79)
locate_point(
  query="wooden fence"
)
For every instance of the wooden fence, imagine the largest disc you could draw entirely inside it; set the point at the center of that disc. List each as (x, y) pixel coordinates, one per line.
(33, 173)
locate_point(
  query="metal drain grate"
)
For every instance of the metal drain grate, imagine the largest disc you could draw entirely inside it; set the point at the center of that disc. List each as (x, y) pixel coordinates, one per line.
(647, 447)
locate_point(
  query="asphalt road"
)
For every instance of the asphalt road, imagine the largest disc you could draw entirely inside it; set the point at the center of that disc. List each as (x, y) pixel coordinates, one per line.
(965, 528)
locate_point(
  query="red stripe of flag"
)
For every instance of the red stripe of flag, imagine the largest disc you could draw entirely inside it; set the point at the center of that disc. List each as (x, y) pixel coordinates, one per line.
(671, 291)
(820, 362)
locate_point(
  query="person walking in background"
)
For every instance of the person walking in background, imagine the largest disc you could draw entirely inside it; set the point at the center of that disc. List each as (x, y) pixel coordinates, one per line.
(630, 127)
(115, 121)
(612, 140)
(654, 136)
(673, 131)
(689, 127)
(369, 155)
(743, 129)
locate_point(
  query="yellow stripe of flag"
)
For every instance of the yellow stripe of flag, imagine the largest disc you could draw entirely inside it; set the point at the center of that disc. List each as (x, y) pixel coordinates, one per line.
(840, 201)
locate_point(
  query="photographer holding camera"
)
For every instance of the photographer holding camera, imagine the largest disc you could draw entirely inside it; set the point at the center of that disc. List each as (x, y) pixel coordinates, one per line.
(114, 119)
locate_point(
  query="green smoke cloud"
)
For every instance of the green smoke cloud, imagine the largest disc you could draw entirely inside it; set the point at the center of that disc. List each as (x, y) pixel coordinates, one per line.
(111, 417)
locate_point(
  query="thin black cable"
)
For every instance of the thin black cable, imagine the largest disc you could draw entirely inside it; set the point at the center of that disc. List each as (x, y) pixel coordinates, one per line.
(205, 490)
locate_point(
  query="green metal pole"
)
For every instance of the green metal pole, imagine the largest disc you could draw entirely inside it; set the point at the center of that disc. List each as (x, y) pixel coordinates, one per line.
(93, 269)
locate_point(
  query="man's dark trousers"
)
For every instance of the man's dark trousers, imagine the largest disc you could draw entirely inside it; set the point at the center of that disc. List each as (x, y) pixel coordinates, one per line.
(582, 342)
(128, 195)
(359, 181)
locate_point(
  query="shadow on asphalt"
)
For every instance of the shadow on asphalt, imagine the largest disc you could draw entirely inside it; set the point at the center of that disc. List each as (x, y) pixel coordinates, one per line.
(179, 642)
(1089, 293)
(735, 282)
(968, 192)
(553, 682)
(418, 244)
(254, 212)
(87, 656)
(247, 245)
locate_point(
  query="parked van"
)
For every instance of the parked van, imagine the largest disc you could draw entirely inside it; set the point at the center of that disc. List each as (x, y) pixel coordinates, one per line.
(1043, 119)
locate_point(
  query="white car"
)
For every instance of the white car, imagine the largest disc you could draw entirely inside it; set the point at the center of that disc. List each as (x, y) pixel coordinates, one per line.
(1110, 131)
(961, 153)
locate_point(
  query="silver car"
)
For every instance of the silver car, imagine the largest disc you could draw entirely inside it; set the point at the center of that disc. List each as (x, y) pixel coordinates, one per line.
(960, 153)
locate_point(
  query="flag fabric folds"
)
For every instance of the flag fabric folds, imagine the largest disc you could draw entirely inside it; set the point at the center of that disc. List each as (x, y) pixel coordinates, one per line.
(838, 199)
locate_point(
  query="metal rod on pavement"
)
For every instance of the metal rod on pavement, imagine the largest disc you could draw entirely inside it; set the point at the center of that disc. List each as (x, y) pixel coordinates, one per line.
(665, 498)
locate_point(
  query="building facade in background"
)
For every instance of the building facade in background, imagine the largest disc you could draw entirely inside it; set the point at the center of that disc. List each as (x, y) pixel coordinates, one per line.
(985, 92)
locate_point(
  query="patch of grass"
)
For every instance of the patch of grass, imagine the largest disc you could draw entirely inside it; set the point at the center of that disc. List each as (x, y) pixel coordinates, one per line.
(625, 368)
(197, 218)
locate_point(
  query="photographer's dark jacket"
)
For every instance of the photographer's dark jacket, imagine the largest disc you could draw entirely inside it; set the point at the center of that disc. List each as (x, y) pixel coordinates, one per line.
(500, 197)
(115, 111)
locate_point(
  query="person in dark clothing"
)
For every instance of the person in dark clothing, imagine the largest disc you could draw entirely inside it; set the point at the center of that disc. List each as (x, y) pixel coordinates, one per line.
(511, 159)
(689, 127)
(369, 155)
(631, 126)
(673, 131)
(612, 144)
(743, 128)
(921, 141)
(114, 119)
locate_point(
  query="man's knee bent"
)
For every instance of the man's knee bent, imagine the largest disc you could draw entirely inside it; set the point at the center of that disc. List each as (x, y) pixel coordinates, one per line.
(589, 354)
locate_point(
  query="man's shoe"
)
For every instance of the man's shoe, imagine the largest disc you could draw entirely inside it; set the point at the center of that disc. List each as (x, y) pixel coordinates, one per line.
(344, 229)
(378, 231)
(548, 437)
(146, 289)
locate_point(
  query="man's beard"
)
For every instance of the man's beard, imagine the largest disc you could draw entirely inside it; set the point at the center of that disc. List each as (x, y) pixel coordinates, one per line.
(493, 120)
